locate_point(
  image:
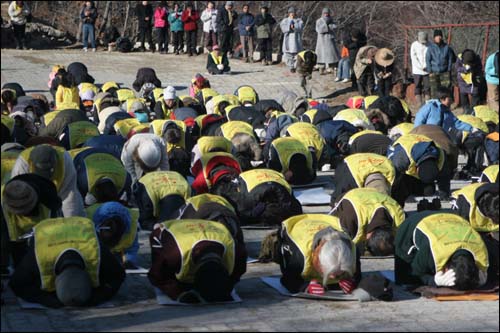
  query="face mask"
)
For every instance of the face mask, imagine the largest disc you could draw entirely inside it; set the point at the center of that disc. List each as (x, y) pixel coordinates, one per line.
(142, 117)
(467, 67)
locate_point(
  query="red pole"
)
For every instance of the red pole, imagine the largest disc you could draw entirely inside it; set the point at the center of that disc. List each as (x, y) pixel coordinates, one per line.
(485, 49)
(449, 35)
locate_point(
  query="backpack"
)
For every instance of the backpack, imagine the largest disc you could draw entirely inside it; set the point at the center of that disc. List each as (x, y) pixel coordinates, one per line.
(124, 45)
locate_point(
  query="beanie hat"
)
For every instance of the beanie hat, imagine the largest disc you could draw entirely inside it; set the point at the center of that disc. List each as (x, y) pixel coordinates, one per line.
(291, 10)
(73, 286)
(326, 11)
(229, 3)
(428, 171)
(19, 197)
(169, 93)
(44, 159)
(438, 32)
(468, 57)
(422, 36)
(150, 154)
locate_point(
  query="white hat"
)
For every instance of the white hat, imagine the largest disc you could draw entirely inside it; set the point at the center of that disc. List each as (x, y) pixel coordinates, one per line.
(169, 93)
(150, 154)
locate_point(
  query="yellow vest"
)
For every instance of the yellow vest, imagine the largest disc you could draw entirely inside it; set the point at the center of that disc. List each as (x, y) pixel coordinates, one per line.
(287, 147)
(405, 128)
(228, 111)
(74, 152)
(206, 158)
(48, 117)
(216, 101)
(124, 94)
(309, 135)
(208, 144)
(188, 233)
(158, 128)
(53, 237)
(130, 102)
(405, 106)
(80, 131)
(486, 114)
(355, 117)
(302, 54)
(100, 166)
(207, 93)
(230, 129)
(128, 239)
(301, 230)
(477, 220)
(9, 159)
(8, 122)
(407, 142)
(474, 122)
(448, 233)
(491, 173)
(365, 164)
(365, 202)
(254, 178)
(199, 200)
(160, 184)
(157, 94)
(124, 126)
(369, 100)
(247, 94)
(71, 98)
(217, 59)
(309, 115)
(361, 133)
(108, 85)
(58, 176)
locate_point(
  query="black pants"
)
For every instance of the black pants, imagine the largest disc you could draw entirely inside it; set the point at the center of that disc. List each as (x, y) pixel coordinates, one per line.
(226, 41)
(145, 33)
(20, 35)
(422, 84)
(366, 83)
(384, 87)
(191, 41)
(474, 149)
(178, 40)
(266, 49)
(465, 103)
(162, 38)
(405, 186)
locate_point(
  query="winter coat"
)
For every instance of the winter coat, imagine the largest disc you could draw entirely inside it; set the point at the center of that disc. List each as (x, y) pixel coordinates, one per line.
(190, 20)
(246, 20)
(326, 45)
(264, 24)
(209, 19)
(469, 80)
(142, 12)
(161, 17)
(418, 54)
(91, 17)
(223, 20)
(361, 60)
(491, 69)
(80, 73)
(112, 143)
(19, 15)
(146, 75)
(439, 58)
(104, 115)
(65, 117)
(292, 40)
(354, 46)
(175, 20)
(435, 113)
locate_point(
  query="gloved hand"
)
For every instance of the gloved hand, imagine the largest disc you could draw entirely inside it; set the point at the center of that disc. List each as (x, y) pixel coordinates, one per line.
(220, 67)
(445, 279)
(347, 285)
(315, 288)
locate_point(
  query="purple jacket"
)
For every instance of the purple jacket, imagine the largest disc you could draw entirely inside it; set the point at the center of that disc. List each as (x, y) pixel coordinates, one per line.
(466, 86)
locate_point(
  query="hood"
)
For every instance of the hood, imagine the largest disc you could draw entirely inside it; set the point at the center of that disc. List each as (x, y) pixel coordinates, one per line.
(110, 209)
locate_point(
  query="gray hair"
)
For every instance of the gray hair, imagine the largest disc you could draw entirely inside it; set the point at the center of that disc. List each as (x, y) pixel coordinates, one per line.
(336, 254)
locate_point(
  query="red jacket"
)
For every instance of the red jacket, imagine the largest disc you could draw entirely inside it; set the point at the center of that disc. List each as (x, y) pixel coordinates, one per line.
(217, 167)
(190, 21)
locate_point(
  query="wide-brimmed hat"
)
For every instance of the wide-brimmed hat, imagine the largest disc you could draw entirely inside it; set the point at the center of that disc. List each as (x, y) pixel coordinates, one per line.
(19, 197)
(384, 57)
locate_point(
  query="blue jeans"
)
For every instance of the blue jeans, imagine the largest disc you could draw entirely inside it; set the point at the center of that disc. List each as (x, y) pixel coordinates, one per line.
(344, 69)
(88, 31)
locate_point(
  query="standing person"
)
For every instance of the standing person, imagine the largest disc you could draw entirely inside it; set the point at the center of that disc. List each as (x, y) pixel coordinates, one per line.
(292, 41)
(469, 78)
(326, 47)
(354, 43)
(161, 26)
(88, 16)
(384, 66)
(19, 14)
(439, 62)
(226, 19)
(264, 23)
(246, 29)
(189, 17)
(363, 70)
(419, 68)
(177, 28)
(491, 71)
(144, 13)
(209, 18)
(344, 68)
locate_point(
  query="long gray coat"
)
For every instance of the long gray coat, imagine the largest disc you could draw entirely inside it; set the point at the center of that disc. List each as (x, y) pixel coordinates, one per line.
(326, 46)
(292, 42)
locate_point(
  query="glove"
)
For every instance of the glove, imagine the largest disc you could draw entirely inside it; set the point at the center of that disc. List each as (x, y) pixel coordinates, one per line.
(445, 279)
(220, 67)
(347, 285)
(315, 288)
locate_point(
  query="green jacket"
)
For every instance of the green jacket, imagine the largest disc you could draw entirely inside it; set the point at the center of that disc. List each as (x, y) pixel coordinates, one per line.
(175, 22)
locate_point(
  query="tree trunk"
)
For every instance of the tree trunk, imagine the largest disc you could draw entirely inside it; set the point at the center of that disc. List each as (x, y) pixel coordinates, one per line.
(125, 24)
(105, 18)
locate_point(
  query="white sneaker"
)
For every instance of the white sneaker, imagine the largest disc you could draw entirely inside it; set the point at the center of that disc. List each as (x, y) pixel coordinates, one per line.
(326, 167)
(85, 49)
(337, 79)
(93, 50)
(345, 80)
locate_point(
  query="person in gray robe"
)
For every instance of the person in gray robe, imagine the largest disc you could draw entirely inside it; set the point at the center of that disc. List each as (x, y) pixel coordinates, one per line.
(326, 46)
(292, 28)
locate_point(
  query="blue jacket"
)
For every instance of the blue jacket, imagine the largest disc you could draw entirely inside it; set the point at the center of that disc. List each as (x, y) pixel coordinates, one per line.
(490, 69)
(244, 21)
(435, 113)
(176, 23)
(439, 58)
(112, 143)
(336, 134)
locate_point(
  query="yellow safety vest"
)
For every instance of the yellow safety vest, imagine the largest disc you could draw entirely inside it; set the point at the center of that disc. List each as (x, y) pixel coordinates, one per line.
(369, 100)
(160, 184)
(448, 233)
(58, 175)
(74, 152)
(157, 94)
(197, 201)
(404, 128)
(491, 173)
(407, 142)
(8, 122)
(9, 159)
(130, 102)
(48, 117)
(209, 144)
(228, 111)
(405, 106)
(309, 115)
(108, 85)
(477, 220)
(159, 126)
(53, 237)
(128, 239)
(85, 86)
(365, 202)
(217, 59)
(355, 117)
(486, 114)
(71, 98)
(302, 54)
(309, 135)
(361, 133)
(247, 94)
(167, 112)
(217, 100)
(188, 233)
(230, 129)
(124, 126)
(124, 94)
(207, 93)
(254, 178)
(104, 166)
(81, 131)
(474, 122)
(287, 147)
(301, 230)
(364, 164)
(205, 160)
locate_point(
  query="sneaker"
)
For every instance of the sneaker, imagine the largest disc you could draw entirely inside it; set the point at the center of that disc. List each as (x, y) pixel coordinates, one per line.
(85, 49)
(345, 80)
(337, 79)
(93, 50)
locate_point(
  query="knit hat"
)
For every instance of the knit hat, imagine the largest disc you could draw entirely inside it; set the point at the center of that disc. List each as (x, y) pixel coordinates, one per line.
(216, 47)
(150, 154)
(73, 286)
(428, 171)
(384, 57)
(291, 10)
(264, 5)
(438, 32)
(326, 11)
(468, 57)
(19, 197)
(44, 159)
(169, 93)
(422, 36)
(229, 3)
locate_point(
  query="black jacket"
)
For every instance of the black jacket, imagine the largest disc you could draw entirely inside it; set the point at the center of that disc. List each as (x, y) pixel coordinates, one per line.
(80, 73)
(142, 12)
(145, 75)
(223, 20)
(267, 19)
(59, 123)
(354, 46)
(371, 143)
